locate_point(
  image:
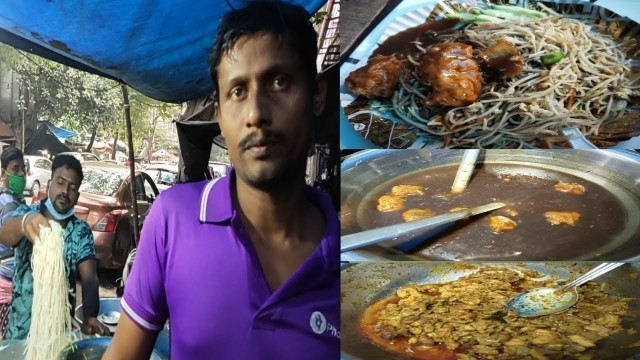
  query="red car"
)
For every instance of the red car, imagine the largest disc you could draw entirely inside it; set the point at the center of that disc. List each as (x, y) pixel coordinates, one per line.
(105, 203)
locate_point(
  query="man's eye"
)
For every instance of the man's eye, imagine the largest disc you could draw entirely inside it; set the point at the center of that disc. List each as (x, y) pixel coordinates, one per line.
(280, 83)
(236, 92)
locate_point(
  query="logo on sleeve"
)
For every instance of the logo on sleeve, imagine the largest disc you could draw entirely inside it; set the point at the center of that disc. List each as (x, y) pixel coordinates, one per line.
(319, 324)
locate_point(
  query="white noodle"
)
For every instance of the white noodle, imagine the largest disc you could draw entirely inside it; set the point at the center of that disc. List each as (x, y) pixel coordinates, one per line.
(50, 312)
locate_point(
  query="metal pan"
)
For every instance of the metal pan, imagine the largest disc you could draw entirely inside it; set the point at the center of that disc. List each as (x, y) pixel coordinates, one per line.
(615, 173)
(365, 283)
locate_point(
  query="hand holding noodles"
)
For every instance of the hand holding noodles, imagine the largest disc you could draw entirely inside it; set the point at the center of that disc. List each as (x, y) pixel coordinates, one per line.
(50, 317)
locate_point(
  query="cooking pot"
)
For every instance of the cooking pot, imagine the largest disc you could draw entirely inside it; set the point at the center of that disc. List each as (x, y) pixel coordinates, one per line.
(616, 173)
(365, 283)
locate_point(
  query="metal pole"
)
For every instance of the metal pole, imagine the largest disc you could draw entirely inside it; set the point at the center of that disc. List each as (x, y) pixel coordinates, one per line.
(22, 144)
(132, 163)
(22, 105)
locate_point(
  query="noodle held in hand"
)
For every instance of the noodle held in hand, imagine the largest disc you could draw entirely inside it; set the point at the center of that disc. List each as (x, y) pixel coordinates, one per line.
(50, 317)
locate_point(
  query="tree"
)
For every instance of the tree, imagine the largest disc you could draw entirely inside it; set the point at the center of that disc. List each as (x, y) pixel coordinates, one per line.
(145, 115)
(71, 98)
(84, 103)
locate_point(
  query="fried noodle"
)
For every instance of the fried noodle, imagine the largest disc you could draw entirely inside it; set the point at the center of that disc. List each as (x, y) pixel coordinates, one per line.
(589, 87)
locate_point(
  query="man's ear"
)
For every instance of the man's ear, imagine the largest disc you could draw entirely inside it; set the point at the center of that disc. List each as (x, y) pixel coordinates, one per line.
(216, 111)
(319, 96)
(216, 114)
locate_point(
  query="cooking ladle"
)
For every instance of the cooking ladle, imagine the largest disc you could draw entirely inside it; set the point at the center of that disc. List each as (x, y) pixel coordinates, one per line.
(465, 170)
(551, 300)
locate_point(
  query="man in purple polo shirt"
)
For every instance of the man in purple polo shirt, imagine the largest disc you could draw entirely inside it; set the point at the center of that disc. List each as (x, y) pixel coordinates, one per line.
(246, 267)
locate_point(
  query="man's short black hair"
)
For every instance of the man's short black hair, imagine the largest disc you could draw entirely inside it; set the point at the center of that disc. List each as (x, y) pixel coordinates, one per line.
(272, 17)
(69, 162)
(8, 155)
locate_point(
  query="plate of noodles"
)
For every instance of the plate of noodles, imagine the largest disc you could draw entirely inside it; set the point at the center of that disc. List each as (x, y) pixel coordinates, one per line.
(482, 74)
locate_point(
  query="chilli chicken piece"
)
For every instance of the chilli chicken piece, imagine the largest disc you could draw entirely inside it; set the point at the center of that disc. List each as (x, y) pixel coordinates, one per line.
(562, 217)
(453, 73)
(501, 223)
(378, 79)
(406, 190)
(388, 203)
(570, 188)
(417, 214)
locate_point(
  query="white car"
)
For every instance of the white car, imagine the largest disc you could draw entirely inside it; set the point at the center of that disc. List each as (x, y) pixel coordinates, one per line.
(38, 173)
(218, 169)
(164, 176)
(82, 157)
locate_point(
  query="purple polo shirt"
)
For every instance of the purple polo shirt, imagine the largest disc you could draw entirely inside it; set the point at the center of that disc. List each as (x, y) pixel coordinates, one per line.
(197, 266)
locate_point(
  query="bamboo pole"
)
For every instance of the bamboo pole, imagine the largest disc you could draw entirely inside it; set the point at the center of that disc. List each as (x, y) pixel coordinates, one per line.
(132, 163)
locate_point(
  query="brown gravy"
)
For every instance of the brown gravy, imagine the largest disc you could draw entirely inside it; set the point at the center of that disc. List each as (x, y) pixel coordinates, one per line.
(400, 346)
(428, 33)
(527, 190)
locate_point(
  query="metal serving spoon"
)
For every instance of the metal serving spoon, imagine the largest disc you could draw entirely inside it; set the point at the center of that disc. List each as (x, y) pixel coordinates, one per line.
(577, 139)
(551, 300)
(405, 232)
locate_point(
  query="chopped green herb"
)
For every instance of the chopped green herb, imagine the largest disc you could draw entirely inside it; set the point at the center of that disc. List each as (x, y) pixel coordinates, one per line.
(552, 58)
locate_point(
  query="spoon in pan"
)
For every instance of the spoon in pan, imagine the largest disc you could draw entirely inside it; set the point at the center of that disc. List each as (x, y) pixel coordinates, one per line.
(403, 233)
(551, 300)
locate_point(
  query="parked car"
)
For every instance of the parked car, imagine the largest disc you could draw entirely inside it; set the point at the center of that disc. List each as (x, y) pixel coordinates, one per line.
(218, 169)
(82, 156)
(38, 173)
(105, 202)
(164, 176)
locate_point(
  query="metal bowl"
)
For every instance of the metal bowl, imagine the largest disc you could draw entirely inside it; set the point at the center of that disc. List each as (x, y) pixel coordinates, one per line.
(12, 350)
(615, 171)
(93, 349)
(110, 305)
(107, 306)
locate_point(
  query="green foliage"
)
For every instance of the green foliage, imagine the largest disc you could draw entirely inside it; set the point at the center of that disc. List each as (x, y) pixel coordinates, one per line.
(81, 102)
(319, 17)
(63, 95)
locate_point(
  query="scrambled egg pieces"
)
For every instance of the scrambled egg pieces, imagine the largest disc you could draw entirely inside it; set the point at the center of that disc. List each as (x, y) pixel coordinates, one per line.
(468, 316)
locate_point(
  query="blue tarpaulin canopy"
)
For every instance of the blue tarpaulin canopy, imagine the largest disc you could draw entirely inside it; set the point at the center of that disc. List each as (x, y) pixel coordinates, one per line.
(60, 133)
(158, 47)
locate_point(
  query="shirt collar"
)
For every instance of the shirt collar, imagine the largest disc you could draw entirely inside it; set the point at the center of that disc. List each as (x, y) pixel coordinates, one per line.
(216, 204)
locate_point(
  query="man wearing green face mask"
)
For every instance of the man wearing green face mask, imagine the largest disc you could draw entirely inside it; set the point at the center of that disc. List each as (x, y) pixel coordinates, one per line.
(12, 183)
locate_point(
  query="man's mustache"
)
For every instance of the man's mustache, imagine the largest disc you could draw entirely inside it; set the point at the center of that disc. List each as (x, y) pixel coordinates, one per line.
(261, 138)
(59, 197)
